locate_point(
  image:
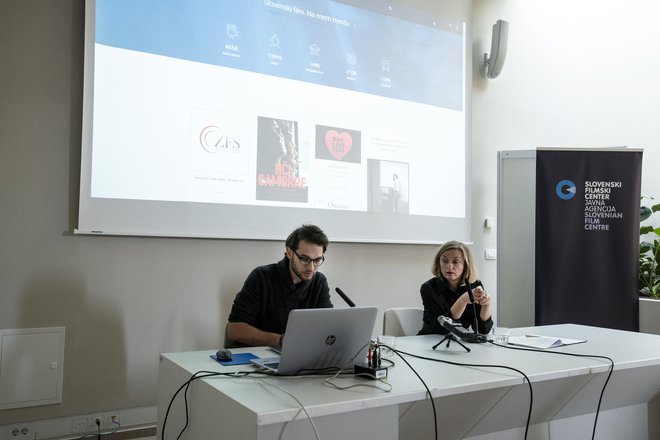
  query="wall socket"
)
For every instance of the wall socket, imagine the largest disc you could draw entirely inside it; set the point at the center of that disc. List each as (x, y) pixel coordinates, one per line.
(75, 426)
(108, 420)
(23, 431)
(81, 424)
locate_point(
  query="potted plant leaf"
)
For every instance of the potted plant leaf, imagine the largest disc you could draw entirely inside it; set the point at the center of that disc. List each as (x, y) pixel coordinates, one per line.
(649, 253)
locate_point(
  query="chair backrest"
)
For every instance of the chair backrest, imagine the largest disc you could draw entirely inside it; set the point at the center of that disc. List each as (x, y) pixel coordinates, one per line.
(402, 321)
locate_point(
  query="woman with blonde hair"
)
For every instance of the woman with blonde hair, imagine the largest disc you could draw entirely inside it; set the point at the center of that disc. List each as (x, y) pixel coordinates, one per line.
(447, 294)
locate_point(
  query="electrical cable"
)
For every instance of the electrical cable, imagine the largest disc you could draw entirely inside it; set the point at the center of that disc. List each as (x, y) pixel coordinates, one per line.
(185, 397)
(391, 362)
(207, 374)
(597, 356)
(329, 382)
(108, 434)
(305, 372)
(116, 429)
(529, 384)
(428, 391)
(309, 417)
(186, 385)
(475, 321)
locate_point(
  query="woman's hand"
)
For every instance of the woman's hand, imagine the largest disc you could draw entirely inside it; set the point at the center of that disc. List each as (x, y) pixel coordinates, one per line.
(481, 297)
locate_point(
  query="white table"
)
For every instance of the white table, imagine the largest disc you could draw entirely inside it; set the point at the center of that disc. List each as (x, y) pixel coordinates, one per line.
(470, 400)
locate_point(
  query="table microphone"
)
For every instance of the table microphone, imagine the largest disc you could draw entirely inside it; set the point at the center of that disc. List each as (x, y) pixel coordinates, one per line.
(463, 334)
(344, 297)
(456, 330)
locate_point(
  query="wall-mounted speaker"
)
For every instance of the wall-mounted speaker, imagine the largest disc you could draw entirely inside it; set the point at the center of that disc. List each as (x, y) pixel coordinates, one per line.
(494, 62)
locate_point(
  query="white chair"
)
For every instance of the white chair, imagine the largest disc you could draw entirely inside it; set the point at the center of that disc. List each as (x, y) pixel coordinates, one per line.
(402, 321)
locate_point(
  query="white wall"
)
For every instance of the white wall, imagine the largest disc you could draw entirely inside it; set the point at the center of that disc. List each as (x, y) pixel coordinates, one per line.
(123, 300)
(577, 73)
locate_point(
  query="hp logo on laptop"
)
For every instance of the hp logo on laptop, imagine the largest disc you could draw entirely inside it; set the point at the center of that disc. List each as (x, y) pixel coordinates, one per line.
(330, 340)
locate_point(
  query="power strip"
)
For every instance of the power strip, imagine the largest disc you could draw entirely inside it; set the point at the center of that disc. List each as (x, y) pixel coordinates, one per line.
(369, 372)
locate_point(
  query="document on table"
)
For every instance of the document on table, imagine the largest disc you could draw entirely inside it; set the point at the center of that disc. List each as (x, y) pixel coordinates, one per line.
(538, 341)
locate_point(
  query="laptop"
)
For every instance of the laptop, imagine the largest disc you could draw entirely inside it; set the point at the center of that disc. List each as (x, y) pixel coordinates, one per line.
(317, 339)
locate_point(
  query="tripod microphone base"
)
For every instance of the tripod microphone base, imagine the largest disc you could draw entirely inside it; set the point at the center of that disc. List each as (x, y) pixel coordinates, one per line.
(450, 338)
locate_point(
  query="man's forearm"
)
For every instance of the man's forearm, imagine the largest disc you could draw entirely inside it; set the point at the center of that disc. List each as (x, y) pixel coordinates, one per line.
(250, 335)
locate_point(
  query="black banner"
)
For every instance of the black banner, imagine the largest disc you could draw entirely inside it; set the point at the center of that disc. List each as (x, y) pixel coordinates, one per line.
(587, 237)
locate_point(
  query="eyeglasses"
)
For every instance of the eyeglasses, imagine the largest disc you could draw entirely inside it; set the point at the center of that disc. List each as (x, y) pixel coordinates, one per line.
(305, 260)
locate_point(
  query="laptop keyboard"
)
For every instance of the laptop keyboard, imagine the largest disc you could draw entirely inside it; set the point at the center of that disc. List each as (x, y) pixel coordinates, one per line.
(273, 365)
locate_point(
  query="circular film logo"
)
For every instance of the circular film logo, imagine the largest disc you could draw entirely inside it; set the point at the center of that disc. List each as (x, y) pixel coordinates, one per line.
(214, 140)
(565, 189)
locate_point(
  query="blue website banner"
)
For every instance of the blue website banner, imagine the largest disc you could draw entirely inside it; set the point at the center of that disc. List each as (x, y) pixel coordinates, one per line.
(316, 41)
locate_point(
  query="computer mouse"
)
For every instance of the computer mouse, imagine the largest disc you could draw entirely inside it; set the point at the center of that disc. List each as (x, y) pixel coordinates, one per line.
(223, 354)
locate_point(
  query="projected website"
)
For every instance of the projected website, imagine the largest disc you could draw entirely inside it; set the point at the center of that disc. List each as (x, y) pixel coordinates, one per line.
(310, 104)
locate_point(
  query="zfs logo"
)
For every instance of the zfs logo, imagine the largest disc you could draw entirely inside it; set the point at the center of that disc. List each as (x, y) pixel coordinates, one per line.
(214, 140)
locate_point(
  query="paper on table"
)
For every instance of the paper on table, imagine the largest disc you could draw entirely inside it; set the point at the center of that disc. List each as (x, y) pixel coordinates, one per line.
(538, 341)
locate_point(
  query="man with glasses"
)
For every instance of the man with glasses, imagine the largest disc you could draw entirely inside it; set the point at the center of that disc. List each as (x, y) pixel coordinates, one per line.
(261, 309)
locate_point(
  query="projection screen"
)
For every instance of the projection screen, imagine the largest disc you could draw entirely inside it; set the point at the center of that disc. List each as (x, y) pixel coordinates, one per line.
(244, 119)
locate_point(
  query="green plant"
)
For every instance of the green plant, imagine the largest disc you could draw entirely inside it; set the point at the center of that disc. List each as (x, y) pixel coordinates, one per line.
(648, 275)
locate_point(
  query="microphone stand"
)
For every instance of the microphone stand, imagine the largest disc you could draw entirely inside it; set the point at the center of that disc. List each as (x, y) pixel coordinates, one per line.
(475, 322)
(450, 337)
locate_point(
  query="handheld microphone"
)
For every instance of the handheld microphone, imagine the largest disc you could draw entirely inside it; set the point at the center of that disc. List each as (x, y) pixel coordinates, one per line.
(344, 297)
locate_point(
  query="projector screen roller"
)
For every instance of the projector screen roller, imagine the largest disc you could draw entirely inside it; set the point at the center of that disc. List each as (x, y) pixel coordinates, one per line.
(245, 119)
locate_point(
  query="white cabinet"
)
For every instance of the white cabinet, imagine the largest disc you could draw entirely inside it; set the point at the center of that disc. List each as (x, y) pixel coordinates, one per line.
(31, 367)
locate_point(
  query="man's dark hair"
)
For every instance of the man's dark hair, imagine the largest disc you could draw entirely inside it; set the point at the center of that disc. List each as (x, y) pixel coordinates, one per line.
(310, 233)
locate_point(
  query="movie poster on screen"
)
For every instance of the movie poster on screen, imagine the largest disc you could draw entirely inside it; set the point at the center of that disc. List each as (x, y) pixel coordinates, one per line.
(219, 157)
(280, 176)
(388, 186)
(339, 178)
(338, 144)
(587, 237)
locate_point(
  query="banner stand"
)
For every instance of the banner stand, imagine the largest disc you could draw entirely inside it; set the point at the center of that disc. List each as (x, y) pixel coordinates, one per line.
(587, 237)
